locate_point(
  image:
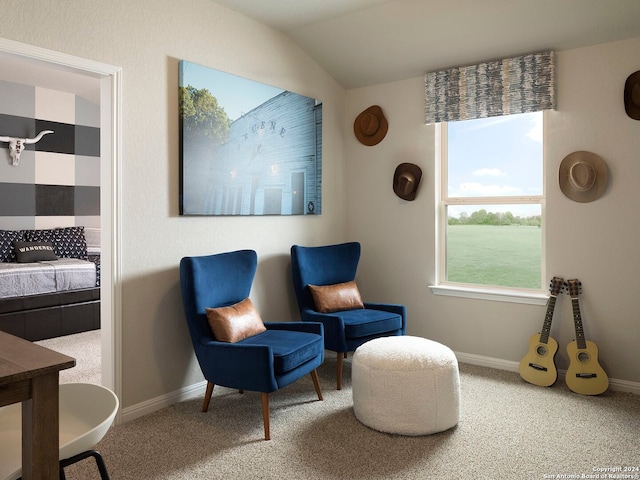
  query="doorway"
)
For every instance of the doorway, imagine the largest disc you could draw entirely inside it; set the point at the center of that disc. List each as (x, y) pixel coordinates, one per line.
(24, 63)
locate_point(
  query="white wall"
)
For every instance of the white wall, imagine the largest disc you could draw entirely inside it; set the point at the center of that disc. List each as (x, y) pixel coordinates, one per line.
(595, 242)
(147, 39)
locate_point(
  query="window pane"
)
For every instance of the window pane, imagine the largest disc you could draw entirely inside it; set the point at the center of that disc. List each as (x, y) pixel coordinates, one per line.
(494, 157)
(497, 245)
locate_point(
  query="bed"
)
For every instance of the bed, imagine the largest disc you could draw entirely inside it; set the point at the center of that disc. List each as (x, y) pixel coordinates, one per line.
(49, 282)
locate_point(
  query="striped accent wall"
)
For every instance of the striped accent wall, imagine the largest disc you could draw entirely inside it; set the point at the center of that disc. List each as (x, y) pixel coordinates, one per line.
(57, 182)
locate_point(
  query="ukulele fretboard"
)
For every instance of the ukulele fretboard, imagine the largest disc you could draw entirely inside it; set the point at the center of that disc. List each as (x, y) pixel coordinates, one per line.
(577, 321)
(546, 327)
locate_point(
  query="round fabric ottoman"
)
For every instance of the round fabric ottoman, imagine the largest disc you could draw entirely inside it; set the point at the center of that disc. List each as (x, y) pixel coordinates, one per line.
(406, 385)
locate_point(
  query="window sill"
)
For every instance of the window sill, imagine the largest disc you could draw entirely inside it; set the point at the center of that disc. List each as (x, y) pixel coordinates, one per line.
(496, 295)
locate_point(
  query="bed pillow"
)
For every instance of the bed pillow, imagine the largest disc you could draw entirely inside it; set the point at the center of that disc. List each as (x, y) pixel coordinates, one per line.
(336, 297)
(7, 237)
(235, 322)
(68, 242)
(28, 252)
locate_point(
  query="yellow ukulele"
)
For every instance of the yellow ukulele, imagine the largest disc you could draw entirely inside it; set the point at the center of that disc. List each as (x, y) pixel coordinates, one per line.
(584, 375)
(538, 365)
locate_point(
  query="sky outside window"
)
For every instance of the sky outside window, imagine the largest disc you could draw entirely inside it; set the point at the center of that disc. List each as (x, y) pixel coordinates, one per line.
(496, 157)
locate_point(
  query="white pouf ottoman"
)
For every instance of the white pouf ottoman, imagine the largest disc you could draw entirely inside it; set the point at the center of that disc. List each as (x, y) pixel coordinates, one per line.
(406, 385)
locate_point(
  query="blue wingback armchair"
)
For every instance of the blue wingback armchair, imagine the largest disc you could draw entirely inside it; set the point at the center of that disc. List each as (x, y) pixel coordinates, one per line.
(264, 362)
(344, 331)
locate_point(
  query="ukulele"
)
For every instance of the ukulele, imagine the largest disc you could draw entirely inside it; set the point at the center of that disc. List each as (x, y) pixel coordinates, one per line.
(538, 365)
(584, 375)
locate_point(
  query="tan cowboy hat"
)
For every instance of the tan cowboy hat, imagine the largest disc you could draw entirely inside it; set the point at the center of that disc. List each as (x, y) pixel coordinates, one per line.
(370, 127)
(406, 180)
(632, 95)
(583, 176)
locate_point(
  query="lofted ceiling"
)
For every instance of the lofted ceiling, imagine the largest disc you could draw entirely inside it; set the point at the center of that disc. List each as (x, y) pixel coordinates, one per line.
(369, 42)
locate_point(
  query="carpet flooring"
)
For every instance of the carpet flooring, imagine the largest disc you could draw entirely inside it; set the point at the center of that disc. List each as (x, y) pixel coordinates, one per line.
(85, 348)
(508, 429)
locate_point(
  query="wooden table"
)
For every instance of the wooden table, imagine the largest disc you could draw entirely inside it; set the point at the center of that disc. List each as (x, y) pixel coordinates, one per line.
(29, 374)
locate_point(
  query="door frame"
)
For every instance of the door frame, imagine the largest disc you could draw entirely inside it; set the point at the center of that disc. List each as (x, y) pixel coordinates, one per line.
(110, 78)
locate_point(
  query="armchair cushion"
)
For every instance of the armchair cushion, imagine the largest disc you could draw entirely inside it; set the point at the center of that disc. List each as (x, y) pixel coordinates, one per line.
(336, 297)
(290, 348)
(235, 322)
(367, 322)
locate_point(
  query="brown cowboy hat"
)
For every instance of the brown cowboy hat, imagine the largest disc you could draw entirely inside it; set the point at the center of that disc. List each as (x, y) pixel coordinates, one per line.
(632, 95)
(583, 176)
(406, 180)
(370, 127)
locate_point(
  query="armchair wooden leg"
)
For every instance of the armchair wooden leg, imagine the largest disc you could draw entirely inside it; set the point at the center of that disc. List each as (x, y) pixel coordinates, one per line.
(339, 373)
(316, 383)
(265, 415)
(207, 397)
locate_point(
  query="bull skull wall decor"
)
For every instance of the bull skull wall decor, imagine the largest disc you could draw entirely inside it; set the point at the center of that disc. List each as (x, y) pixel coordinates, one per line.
(16, 145)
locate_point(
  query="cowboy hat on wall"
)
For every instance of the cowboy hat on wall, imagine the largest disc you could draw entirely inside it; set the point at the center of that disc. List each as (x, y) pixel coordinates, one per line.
(632, 95)
(406, 179)
(583, 176)
(371, 126)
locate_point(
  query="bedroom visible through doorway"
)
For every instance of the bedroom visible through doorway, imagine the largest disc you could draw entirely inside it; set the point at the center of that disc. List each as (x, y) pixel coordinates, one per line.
(100, 83)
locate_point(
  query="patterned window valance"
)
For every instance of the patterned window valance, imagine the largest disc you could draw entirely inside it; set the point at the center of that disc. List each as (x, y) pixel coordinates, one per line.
(513, 85)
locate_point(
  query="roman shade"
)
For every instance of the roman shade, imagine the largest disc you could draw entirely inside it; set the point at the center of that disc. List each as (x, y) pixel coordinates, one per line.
(502, 87)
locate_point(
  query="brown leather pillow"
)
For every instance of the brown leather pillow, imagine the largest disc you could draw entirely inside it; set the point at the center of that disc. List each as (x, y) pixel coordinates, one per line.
(333, 298)
(235, 322)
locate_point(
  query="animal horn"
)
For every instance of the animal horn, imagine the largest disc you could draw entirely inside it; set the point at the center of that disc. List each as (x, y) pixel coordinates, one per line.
(37, 139)
(5, 139)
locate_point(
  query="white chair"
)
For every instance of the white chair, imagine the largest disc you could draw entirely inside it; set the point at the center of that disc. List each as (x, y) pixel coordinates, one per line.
(86, 413)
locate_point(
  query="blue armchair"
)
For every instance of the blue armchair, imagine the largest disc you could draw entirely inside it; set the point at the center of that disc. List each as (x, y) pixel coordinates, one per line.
(264, 362)
(344, 331)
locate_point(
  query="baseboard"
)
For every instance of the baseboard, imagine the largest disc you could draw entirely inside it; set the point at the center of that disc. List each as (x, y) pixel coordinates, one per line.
(150, 406)
(490, 362)
(500, 364)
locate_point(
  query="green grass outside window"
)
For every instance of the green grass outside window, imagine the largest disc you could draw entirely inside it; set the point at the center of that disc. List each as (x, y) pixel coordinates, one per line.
(504, 256)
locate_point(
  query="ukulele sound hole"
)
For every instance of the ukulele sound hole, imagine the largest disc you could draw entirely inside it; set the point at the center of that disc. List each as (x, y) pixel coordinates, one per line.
(541, 350)
(583, 357)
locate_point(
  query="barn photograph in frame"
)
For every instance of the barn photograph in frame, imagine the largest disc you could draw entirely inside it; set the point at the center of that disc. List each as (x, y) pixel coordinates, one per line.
(247, 148)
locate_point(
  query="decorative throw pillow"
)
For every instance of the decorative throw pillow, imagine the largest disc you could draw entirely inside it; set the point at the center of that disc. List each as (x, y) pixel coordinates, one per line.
(333, 298)
(235, 322)
(27, 252)
(68, 242)
(7, 237)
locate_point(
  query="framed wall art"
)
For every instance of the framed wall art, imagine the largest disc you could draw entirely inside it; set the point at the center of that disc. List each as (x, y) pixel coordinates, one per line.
(247, 148)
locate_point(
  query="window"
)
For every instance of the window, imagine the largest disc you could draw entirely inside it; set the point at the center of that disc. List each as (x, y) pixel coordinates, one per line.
(491, 213)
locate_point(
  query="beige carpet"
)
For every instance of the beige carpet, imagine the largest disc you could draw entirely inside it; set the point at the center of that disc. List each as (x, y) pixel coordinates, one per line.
(508, 429)
(85, 348)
